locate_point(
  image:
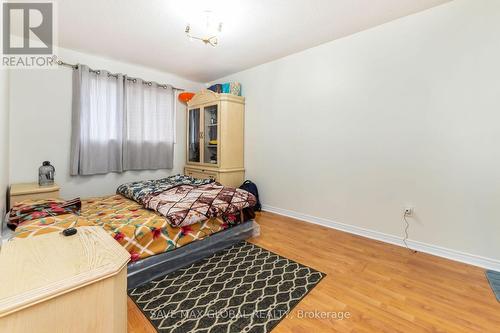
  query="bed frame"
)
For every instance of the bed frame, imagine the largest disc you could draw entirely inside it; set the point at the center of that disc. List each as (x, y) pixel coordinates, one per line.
(148, 269)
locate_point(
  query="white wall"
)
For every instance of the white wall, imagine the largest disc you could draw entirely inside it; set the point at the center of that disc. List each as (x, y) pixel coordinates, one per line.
(407, 113)
(4, 141)
(40, 123)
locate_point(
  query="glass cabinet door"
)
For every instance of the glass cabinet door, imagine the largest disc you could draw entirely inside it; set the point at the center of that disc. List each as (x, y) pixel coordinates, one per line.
(194, 136)
(210, 134)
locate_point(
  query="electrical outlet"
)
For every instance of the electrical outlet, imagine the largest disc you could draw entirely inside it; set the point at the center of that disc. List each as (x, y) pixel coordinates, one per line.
(408, 211)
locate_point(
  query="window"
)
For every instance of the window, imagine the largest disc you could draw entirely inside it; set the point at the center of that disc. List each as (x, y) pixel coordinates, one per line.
(120, 123)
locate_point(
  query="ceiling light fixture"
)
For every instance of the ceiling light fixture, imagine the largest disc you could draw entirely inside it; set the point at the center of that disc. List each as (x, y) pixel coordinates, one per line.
(209, 32)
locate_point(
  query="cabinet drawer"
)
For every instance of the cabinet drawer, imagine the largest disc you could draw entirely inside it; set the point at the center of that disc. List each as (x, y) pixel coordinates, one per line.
(201, 174)
(34, 196)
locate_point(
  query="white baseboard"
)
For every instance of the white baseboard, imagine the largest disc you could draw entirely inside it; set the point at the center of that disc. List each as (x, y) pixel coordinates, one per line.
(439, 251)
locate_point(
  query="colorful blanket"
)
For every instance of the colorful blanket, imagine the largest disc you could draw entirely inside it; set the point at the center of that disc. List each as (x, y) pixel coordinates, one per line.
(140, 190)
(22, 212)
(184, 200)
(140, 231)
(188, 204)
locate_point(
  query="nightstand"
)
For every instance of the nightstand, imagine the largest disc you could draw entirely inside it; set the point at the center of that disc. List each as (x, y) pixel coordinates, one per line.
(31, 191)
(54, 283)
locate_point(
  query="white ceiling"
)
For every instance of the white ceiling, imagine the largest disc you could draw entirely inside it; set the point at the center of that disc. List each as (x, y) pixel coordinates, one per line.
(151, 32)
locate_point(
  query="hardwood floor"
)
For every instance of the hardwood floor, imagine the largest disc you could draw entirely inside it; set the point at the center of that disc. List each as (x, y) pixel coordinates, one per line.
(384, 288)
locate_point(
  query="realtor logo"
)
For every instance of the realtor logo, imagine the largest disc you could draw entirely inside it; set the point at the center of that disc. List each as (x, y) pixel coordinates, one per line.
(27, 29)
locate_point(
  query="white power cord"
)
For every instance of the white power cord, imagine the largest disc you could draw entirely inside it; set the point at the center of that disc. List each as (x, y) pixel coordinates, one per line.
(407, 226)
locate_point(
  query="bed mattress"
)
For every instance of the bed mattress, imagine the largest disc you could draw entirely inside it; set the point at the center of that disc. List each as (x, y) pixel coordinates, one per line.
(145, 270)
(142, 232)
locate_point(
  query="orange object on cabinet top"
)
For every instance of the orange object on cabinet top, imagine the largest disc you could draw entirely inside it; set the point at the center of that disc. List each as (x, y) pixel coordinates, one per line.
(185, 97)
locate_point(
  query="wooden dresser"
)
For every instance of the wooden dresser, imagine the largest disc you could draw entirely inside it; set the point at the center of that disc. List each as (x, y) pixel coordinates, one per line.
(54, 283)
(215, 136)
(31, 191)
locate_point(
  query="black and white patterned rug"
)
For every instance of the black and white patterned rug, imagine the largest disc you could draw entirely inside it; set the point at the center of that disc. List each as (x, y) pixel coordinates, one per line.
(244, 288)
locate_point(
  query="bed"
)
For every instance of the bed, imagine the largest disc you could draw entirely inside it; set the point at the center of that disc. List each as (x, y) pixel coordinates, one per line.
(155, 247)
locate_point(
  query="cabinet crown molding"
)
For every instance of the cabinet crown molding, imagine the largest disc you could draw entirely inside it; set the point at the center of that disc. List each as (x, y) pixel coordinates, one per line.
(207, 96)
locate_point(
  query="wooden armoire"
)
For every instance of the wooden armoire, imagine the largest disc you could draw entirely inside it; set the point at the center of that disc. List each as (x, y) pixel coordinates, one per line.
(215, 135)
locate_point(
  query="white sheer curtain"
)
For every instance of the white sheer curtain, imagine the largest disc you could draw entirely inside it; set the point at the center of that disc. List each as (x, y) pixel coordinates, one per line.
(149, 126)
(97, 123)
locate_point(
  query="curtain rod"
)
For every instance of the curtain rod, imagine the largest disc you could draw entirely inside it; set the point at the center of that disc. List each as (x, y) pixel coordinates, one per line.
(149, 83)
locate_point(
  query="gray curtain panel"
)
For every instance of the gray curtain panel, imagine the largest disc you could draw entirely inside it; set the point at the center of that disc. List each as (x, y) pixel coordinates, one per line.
(120, 124)
(149, 126)
(97, 122)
